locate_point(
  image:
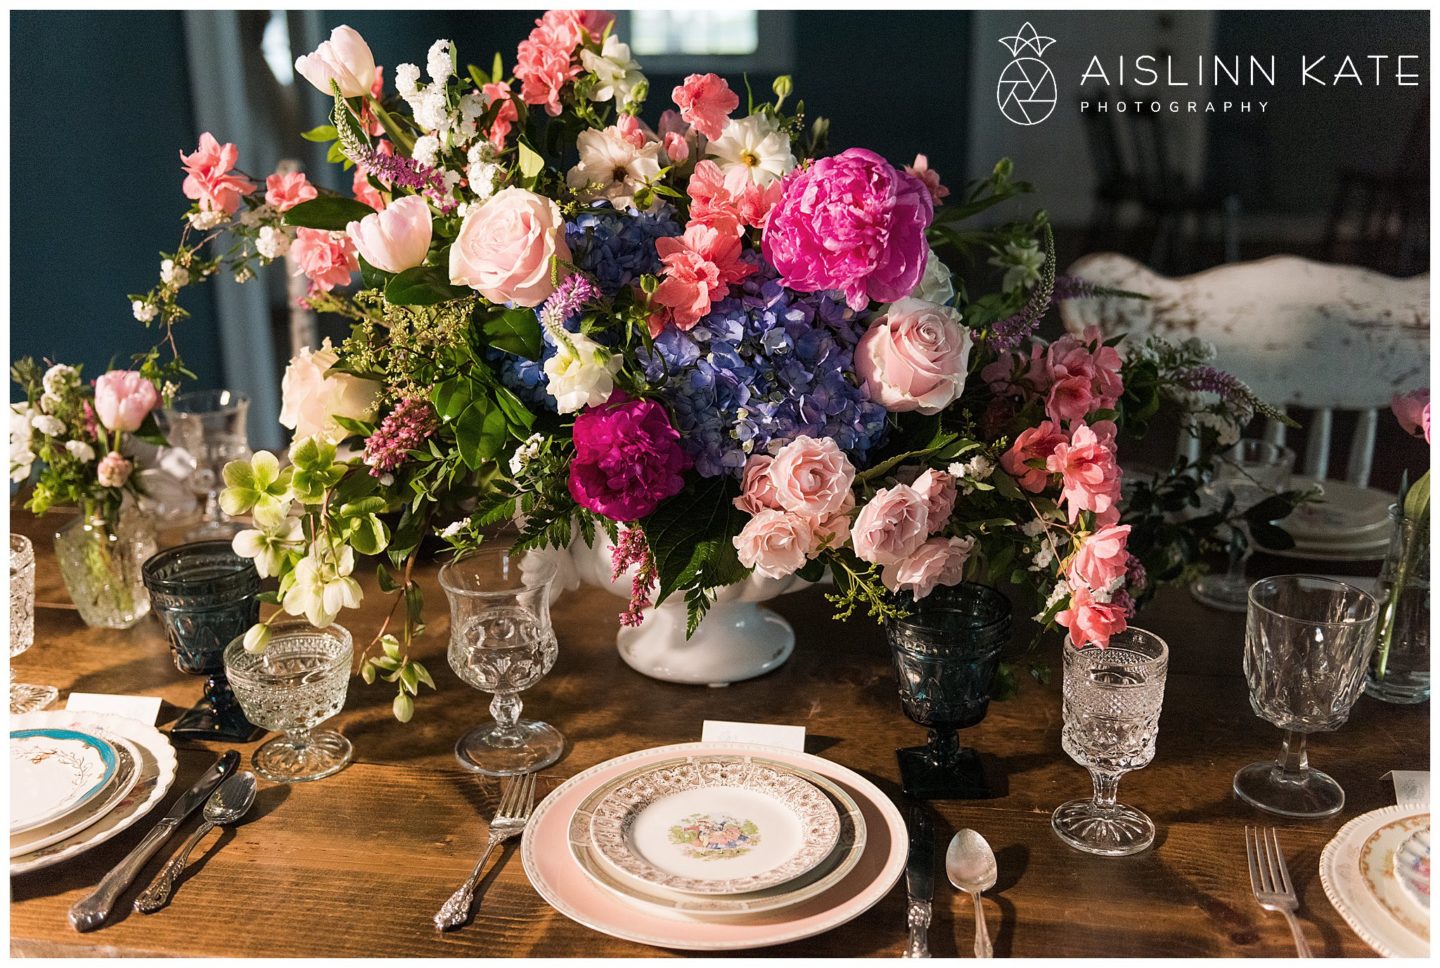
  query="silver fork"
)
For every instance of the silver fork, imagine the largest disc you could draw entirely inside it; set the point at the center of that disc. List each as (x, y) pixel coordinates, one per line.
(1270, 881)
(517, 801)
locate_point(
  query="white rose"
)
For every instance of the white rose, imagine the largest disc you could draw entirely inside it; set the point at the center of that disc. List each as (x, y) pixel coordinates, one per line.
(580, 374)
(935, 284)
(312, 396)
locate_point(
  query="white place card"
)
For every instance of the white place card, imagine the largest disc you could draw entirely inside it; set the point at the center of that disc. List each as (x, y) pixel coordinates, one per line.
(144, 708)
(765, 734)
(1411, 786)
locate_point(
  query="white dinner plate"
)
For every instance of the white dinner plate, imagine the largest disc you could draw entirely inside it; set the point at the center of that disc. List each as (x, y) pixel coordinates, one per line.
(1344, 514)
(54, 772)
(127, 774)
(1357, 870)
(157, 773)
(1412, 869)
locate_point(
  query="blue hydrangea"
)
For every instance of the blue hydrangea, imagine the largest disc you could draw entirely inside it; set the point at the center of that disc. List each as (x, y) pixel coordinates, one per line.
(764, 367)
(617, 248)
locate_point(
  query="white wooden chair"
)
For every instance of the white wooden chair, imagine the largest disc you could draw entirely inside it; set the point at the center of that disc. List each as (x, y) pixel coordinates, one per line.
(1300, 333)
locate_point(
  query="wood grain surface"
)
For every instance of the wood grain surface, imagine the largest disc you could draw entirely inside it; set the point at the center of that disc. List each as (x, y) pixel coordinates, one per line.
(356, 864)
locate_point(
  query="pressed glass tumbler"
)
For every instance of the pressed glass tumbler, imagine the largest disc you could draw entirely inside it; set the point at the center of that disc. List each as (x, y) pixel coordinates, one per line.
(24, 698)
(210, 426)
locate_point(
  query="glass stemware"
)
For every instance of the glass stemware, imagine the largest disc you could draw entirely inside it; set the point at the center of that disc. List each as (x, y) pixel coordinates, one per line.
(946, 652)
(210, 426)
(205, 595)
(298, 682)
(501, 642)
(1111, 713)
(24, 698)
(1250, 471)
(1308, 642)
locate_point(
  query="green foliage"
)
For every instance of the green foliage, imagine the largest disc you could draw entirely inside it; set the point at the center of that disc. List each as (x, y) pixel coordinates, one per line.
(329, 212)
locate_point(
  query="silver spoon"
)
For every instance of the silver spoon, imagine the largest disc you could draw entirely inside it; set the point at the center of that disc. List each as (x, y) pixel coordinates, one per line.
(226, 805)
(970, 865)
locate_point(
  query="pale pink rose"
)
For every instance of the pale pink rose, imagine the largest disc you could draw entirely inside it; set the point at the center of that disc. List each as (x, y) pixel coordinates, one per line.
(705, 100)
(699, 267)
(914, 356)
(1102, 559)
(208, 179)
(892, 526)
(311, 395)
(1091, 621)
(285, 191)
(938, 490)
(397, 238)
(832, 531)
(1091, 478)
(345, 59)
(812, 477)
(1412, 410)
(508, 247)
(677, 149)
(325, 258)
(123, 399)
(921, 170)
(774, 543)
(757, 490)
(113, 470)
(365, 192)
(939, 561)
(1033, 444)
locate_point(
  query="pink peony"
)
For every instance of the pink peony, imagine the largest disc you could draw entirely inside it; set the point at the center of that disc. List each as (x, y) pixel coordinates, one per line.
(716, 197)
(757, 489)
(508, 247)
(397, 238)
(627, 458)
(850, 222)
(208, 179)
(1033, 444)
(921, 170)
(914, 357)
(705, 100)
(892, 526)
(1091, 478)
(774, 543)
(699, 267)
(113, 470)
(325, 258)
(288, 190)
(1091, 621)
(505, 118)
(1413, 411)
(1102, 560)
(812, 476)
(123, 399)
(938, 490)
(939, 561)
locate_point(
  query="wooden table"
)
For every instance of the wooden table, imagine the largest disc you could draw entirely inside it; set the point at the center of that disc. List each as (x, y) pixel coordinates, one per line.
(357, 864)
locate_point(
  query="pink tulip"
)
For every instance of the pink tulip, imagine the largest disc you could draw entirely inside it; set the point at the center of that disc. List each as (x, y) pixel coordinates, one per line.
(397, 238)
(345, 59)
(123, 399)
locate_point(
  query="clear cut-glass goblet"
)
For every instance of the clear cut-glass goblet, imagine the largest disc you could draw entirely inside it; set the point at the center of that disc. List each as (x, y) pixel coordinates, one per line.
(24, 698)
(501, 642)
(1308, 642)
(210, 426)
(1250, 471)
(1111, 712)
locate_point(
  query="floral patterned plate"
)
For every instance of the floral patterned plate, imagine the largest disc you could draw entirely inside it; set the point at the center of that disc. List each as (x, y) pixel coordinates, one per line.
(53, 772)
(1357, 870)
(714, 825)
(1412, 867)
(127, 774)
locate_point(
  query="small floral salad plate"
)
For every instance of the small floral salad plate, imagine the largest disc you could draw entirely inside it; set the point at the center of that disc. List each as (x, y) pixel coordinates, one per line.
(55, 771)
(714, 825)
(1363, 870)
(1412, 867)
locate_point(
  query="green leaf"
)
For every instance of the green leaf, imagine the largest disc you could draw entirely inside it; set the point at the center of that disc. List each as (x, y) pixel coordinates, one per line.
(336, 154)
(478, 77)
(497, 68)
(452, 397)
(515, 331)
(531, 164)
(480, 433)
(357, 427)
(372, 277)
(321, 134)
(1417, 499)
(329, 212)
(686, 532)
(149, 431)
(423, 286)
(1269, 536)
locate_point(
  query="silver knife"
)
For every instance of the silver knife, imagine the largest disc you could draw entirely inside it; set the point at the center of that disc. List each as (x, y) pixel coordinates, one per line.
(919, 882)
(90, 912)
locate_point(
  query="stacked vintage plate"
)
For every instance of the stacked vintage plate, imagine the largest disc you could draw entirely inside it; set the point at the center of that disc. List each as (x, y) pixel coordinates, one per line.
(1377, 874)
(714, 846)
(78, 779)
(1348, 523)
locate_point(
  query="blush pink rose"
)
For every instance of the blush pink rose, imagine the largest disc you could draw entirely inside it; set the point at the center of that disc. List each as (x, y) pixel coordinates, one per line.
(699, 268)
(832, 531)
(113, 470)
(397, 238)
(313, 394)
(938, 490)
(123, 399)
(506, 248)
(774, 543)
(345, 59)
(1033, 444)
(757, 490)
(1412, 410)
(1091, 478)
(937, 562)
(208, 179)
(1090, 620)
(705, 100)
(325, 258)
(914, 357)
(1102, 559)
(285, 191)
(812, 476)
(892, 526)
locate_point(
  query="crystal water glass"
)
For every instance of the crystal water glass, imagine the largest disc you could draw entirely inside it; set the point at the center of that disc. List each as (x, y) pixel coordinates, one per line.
(501, 642)
(1250, 471)
(210, 426)
(1308, 642)
(1111, 717)
(24, 698)
(298, 682)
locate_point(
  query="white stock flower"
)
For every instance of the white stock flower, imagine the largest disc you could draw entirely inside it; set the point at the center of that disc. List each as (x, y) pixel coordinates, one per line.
(59, 378)
(472, 106)
(617, 73)
(48, 425)
(1059, 592)
(432, 112)
(173, 275)
(1033, 527)
(482, 172)
(612, 167)
(208, 218)
(252, 217)
(80, 450)
(453, 528)
(268, 545)
(525, 453)
(407, 80)
(272, 242)
(1227, 431)
(143, 310)
(754, 146)
(320, 586)
(425, 150)
(581, 373)
(439, 61)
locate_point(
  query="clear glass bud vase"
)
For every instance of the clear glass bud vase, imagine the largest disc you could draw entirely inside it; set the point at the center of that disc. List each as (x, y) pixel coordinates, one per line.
(100, 563)
(1400, 666)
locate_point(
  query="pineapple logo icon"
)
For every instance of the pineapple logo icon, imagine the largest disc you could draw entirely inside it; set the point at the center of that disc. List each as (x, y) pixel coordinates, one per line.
(1026, 93)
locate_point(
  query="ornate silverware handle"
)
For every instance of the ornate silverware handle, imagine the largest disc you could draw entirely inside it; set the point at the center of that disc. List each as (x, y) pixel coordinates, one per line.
(983, 948)
(917, 915)
(153, 898)
(90, 912)
(454, 912)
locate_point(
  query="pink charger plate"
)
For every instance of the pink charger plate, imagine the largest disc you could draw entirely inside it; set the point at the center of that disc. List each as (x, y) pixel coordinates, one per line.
(558, 877)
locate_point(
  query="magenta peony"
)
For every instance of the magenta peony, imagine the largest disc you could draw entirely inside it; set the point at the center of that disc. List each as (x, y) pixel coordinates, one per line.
(627, 458)
(853, 223)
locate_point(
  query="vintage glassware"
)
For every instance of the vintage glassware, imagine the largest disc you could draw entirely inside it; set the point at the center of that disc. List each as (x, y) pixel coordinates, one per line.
(24, 698)
(1111, 700)
(1401, 673)
(298, 682)
(945, 654)
(1250, 471)
(501, 642)
(205, 595)
(210, 426)
(1307, 642)
(101, 565)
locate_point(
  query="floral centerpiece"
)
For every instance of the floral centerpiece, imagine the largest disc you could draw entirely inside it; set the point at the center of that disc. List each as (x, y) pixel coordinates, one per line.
(702, 335)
